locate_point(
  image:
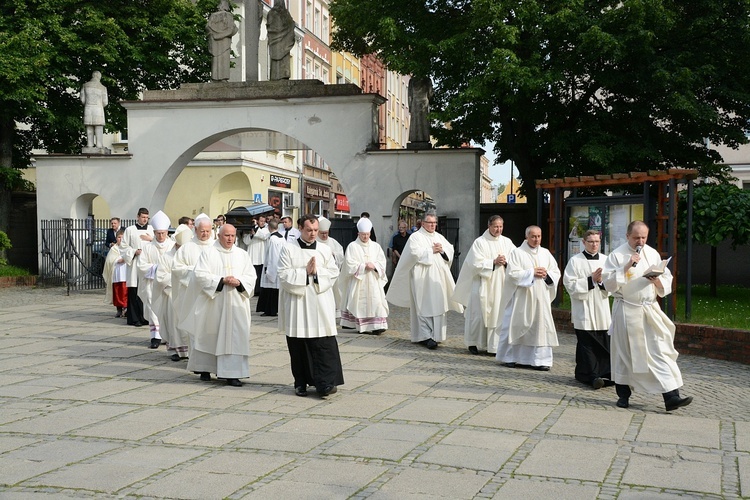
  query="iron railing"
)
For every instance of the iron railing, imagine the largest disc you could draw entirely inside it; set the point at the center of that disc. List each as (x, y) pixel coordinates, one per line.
(73, 252)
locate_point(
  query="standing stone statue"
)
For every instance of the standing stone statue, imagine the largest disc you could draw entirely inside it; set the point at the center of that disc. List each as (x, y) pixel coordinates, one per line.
(420, 94)
(280, 27)
(221, 28)
(94, 99)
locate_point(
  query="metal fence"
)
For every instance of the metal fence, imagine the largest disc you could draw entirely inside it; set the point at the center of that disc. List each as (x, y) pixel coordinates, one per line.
(73, 252)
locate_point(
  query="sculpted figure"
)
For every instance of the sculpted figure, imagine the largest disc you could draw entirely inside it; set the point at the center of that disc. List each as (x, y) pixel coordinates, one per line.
(221, 28)
(280, 27)
(420, 94)
(94, 99)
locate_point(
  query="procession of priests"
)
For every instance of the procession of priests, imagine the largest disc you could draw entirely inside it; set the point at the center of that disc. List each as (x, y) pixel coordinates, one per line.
(194, 289)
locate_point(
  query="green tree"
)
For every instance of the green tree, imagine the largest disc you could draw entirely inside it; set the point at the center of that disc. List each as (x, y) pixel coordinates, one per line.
(49, 48)
(721, 212)
(571, 88)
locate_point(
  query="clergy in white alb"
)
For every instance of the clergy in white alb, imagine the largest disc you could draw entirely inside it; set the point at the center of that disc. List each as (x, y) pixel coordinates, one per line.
(220, 330)
(589, 308)
(642, 348)
(528, 330)
(324, 236)
(164, 296)
(255, 241)
(363, 305)
(115, 274)
(268, 302)
(185, 290)
(154, 255)
(479, 287)
(423, 282)
(307, 275)
(133, 241)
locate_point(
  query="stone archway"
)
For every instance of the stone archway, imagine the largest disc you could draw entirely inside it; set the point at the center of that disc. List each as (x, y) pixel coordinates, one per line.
(166, 129)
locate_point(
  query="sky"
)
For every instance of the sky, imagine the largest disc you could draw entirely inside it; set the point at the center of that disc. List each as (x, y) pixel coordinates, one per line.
(499, 173)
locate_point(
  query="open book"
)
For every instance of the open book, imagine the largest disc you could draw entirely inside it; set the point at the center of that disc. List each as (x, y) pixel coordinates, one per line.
(657, 269)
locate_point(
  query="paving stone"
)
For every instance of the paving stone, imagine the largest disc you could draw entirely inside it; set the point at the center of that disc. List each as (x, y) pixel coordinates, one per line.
(348, 474)
(358, 405)
(744, 466)
(409, 384)
(510, 416)
(592, 423)
(433, 483)
(517, 488)
(680, 430)
(299, 490)
(569, 460)
(432, 410)
(674, 472)
(742, 433)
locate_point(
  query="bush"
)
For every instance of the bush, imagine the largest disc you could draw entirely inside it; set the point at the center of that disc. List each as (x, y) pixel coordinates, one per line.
(4, 245)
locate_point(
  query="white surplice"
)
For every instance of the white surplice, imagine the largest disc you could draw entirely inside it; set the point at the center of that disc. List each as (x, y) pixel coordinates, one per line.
(528, 330)
(423, 282)
(270, 278)
(306, 307)
(130, 243)
(642, 336)
(363, 304)
(220, 327)
(480, 289)
(256, 245)
(151, 258)
(589, 307)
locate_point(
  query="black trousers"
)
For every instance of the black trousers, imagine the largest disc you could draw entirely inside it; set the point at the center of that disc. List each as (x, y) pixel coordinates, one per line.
(135, 307)
(315, 362)
(258, 273)
(592, 355)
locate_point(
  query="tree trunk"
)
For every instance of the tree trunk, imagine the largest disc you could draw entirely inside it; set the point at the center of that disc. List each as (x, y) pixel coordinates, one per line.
(713, 271)
(7, 132)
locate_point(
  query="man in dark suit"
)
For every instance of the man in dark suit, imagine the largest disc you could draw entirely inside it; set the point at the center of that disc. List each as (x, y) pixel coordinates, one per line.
(114, 226)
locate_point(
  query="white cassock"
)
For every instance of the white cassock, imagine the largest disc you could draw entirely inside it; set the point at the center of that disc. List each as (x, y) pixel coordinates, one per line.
(528, 330)
(256, 245)
(642, 346)
(220, 326)
(130, 243)
(113, 272)
(306, 309)
(338, 256)
(270, 278)
(150, 259)
(161, 298)
(480, 289)
(423, 282)
(363, 305)
(184, 289)
(589, 307)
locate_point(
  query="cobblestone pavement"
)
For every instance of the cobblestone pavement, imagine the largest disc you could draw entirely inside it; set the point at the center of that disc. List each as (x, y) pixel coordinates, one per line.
(87, 410)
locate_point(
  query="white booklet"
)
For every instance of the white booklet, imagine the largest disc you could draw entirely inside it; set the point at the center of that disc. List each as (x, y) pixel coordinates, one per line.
(657, 269)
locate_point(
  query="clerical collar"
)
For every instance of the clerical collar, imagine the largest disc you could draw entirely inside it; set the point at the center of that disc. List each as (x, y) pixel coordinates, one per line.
(307, 246)
(141, 228)
(277, 234)
(591, 257)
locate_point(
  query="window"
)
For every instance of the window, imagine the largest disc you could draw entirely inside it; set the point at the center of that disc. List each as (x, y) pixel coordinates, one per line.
(746, 185)
(308, 68)
(308, 15)
(325, 76)
(324, 33)
(316, 23)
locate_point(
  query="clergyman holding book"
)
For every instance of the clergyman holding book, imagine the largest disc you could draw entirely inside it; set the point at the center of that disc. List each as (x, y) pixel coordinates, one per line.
(642, 345)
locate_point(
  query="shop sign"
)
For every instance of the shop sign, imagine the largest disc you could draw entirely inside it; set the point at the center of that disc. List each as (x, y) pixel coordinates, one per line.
(342, 203)
(282, 182)
(317, 191)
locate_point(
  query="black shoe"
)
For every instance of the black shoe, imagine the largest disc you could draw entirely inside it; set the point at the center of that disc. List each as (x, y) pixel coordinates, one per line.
(137, 323)
(154, 344)
(429, 344)
(205, 376)
(377, 332)
(300, 391)
(234, 382)
(266, 314)
(347, 328)
(622, 403)
(541, 368)
(473, 349)
(676, 401)
(509, 365)
(327, 390)
(597, 383)
(175, 357)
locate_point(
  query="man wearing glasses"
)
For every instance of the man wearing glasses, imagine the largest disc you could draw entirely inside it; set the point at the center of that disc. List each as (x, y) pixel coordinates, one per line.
(423, 282)
(589, 312)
